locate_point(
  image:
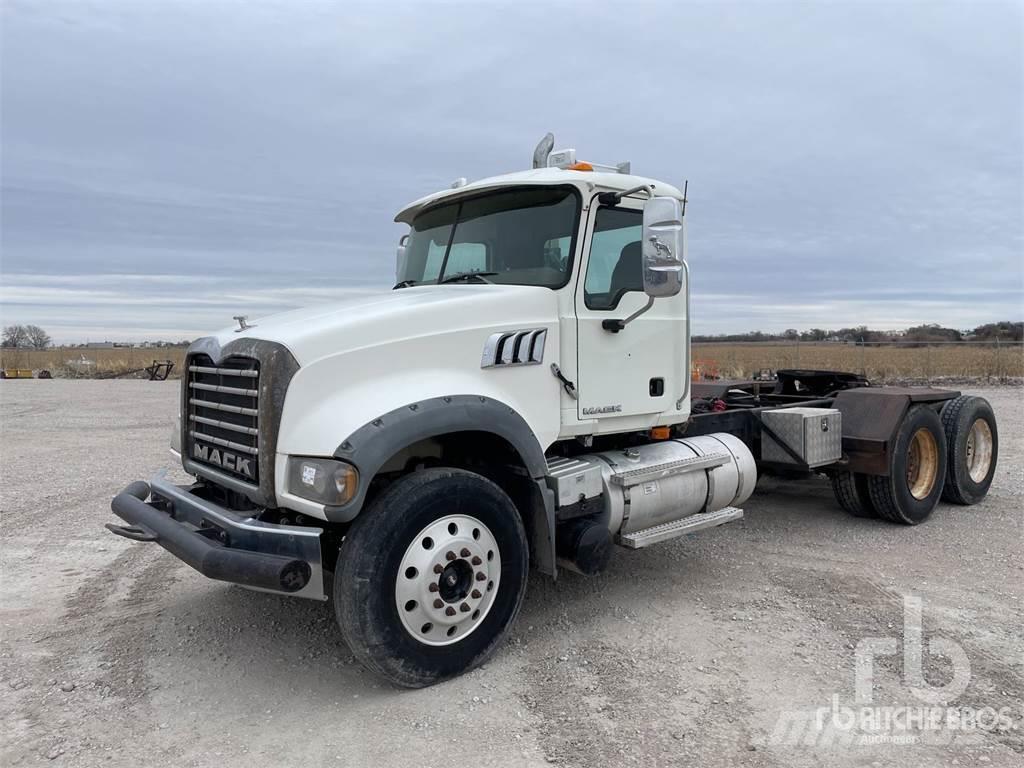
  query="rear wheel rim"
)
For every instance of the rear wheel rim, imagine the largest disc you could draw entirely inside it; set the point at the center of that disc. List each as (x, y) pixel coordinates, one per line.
(447, 580)
(979, 450)
(922, 463)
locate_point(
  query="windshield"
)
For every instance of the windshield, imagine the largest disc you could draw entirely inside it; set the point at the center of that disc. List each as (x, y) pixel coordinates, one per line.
(523, 236)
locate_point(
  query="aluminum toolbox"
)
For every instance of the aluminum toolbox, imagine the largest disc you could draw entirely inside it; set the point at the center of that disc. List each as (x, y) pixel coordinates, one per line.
(815, 434)
(573, 480)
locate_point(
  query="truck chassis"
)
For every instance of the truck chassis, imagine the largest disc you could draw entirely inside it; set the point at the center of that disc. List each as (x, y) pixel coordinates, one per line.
(884, 472)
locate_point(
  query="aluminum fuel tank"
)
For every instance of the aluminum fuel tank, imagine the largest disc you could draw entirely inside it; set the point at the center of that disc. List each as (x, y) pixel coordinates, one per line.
(660, 482)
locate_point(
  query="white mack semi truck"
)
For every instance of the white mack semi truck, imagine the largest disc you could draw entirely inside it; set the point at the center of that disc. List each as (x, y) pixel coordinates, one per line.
(521, 398)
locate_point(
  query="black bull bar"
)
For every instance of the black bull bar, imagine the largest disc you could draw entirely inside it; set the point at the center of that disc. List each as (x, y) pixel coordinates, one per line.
(220, 543)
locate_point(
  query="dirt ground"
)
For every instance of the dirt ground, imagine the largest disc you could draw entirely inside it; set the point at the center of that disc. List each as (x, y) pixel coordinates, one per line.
(707, 650)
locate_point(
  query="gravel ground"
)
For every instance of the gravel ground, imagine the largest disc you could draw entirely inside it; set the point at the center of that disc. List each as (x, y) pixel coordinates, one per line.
(689, 652)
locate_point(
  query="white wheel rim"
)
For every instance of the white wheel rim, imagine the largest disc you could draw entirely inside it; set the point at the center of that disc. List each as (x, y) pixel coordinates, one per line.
(444, 590)
(979, 450)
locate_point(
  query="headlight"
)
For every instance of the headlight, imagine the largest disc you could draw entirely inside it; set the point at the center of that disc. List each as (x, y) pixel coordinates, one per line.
(324, 481)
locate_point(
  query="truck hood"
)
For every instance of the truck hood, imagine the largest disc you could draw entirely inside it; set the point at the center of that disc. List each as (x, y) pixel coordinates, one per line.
(379, 317)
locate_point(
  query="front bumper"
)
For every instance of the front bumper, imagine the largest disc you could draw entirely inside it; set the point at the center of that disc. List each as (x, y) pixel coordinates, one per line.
(220, 543)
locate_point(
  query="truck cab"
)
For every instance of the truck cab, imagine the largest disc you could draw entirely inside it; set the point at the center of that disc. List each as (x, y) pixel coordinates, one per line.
(577, 234)
(520, 398)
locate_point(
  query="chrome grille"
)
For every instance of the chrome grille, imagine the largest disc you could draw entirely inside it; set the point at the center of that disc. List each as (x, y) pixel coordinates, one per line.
(223, 415)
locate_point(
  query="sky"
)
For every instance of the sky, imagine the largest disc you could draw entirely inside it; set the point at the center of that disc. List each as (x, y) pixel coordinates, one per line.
(167, 165)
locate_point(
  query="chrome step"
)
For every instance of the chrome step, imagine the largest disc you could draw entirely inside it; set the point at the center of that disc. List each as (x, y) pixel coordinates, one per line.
(691, 524)
(669, 468)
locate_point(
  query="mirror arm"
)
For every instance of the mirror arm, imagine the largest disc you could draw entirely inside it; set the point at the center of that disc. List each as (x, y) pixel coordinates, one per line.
(614, 326)
(613, 198)
(689, 343)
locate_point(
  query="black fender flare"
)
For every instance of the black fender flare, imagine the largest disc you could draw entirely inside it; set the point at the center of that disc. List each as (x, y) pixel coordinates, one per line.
(374, 443)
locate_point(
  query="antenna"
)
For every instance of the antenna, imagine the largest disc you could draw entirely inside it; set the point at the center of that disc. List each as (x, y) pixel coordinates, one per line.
(686, 185)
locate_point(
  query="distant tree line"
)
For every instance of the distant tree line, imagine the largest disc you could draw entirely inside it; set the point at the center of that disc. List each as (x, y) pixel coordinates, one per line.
(1002, 331)
(34, 337)
(25, 337)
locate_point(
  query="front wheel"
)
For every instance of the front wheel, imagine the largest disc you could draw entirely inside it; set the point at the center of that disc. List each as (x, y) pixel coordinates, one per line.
(430, 576)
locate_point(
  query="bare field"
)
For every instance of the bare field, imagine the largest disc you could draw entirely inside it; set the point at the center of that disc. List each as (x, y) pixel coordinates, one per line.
(895, 362)
(78, 362)
(691, 652)
(957, 362)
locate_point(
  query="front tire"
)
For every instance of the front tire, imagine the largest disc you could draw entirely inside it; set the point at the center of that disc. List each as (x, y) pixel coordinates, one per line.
(430, 576)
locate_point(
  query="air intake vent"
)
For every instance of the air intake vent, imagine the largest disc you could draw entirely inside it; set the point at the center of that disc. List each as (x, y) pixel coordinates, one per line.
(514, 348)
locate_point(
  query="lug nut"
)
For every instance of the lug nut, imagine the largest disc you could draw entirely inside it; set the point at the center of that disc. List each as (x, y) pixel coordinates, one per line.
(432, 587)
(464, 607)
(481, 576)
(449, 555)
(449, 611)
(438, 568)
(439, 603)
(475, 594)
(476, 560)
(464, 552)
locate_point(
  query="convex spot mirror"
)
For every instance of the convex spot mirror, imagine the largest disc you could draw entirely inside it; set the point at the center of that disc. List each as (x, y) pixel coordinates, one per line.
(662, 247)
(400, 257)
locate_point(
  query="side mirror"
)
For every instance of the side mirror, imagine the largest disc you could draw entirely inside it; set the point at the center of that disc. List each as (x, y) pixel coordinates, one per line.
(662, 247)
(400, 258)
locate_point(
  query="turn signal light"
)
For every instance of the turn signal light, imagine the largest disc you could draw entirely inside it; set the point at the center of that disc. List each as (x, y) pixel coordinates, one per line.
(580, 167)
(661, 433)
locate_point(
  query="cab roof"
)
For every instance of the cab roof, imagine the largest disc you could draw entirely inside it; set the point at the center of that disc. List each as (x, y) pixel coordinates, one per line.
(589, 180)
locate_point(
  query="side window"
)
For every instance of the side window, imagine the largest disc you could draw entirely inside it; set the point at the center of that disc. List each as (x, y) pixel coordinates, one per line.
(614, 267)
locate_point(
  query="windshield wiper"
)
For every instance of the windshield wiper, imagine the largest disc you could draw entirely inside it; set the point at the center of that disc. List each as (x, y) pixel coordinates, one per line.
(466, 276)
(403, 284)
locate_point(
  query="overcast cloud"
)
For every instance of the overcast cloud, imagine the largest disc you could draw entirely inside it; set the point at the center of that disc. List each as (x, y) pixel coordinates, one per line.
(169, 165)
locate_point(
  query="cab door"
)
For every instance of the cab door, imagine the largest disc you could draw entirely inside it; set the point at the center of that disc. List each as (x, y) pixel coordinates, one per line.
(630, 377)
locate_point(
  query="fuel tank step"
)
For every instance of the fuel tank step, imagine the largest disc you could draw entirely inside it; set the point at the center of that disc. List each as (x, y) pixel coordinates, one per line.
(668, 469)
(691, 524)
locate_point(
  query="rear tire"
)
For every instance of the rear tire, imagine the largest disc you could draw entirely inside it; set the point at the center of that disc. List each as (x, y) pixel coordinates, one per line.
(917, 470)
(430, 576)
(851, 491)
(972, 449)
